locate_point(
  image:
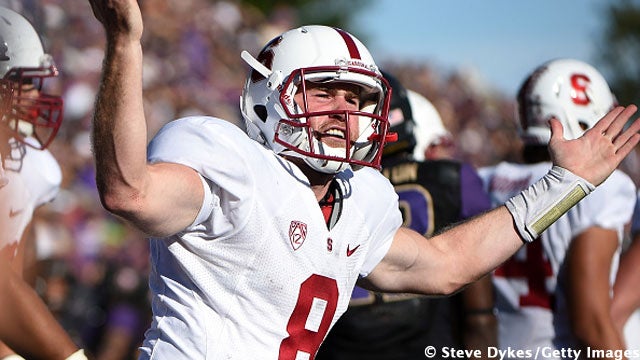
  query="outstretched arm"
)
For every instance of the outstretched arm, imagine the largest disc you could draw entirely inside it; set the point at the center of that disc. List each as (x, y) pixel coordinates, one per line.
(464, 253)
(128, 186)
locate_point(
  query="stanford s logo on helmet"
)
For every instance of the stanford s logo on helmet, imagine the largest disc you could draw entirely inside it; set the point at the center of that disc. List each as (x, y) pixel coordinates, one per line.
(315, 55)
(572, 91)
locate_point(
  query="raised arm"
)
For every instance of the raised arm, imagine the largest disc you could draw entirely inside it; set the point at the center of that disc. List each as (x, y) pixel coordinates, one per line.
(464, 253)
(160, 199)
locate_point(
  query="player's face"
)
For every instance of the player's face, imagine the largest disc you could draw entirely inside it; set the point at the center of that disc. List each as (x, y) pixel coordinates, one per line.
(331, 128)
(29, 90)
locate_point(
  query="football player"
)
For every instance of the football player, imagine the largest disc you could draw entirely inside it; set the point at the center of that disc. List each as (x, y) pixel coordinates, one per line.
(433, 194)
(556, 293)
(30, 177)
(258, 237)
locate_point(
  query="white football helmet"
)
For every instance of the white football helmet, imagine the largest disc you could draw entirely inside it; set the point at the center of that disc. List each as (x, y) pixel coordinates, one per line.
(23, 64)
(315, 54)
(572, 91)
(428, 128)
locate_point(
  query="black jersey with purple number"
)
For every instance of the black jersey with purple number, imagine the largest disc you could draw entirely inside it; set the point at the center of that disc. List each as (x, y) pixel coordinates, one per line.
(432, 195)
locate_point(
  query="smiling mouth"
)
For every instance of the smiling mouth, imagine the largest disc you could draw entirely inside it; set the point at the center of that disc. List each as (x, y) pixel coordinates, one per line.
(335, 138)
(335, 133)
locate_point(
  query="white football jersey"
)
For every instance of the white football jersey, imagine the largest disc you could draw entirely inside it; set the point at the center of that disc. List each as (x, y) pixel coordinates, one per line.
(258, 275)
(531, 298)
(33, 178)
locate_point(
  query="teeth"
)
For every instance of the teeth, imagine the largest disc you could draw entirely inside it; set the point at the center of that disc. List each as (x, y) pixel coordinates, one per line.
(336, 132)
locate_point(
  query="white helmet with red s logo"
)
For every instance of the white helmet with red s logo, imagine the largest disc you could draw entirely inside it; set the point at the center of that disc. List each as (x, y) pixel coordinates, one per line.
(570, 90)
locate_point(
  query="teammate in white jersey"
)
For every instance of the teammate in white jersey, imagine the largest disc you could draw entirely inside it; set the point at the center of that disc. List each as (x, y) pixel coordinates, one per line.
(29, 178)
(259, 237)
(625, 308)
(556, 293)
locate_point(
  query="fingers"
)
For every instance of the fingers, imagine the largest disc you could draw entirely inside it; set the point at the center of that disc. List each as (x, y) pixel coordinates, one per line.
(619, 122)
(629, 145)
(557, 132)
(121, 19)
(629, 137)
(603, 124)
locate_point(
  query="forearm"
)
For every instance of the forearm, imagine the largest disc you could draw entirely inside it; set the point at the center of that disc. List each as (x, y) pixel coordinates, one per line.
(599, 335)
(477, 246)
(480, 332)
(466, 252)
(480, 325)
(587, 271)
(443, 264)
(27, 326)
(626, 298)
(119, 128)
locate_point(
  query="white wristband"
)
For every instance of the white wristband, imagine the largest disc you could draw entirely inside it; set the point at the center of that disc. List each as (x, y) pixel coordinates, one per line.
(544, 202)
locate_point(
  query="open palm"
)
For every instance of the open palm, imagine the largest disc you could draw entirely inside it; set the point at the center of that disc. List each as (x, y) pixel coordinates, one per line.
(599, 151)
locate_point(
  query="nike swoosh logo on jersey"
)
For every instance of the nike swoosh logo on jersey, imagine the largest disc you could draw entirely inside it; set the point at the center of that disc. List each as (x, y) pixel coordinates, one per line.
(351, 251)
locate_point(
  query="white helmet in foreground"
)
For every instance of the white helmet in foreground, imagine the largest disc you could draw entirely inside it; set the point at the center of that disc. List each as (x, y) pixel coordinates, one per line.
(23, 68)
(572, 91)
(428, 128)
(315, 54)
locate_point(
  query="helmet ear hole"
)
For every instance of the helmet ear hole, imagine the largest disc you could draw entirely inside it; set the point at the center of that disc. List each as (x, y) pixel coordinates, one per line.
(583, 125)
(261, 111)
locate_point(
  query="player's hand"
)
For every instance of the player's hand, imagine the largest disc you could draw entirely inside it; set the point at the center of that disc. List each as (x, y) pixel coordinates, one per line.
(598, 152)
(121, 19)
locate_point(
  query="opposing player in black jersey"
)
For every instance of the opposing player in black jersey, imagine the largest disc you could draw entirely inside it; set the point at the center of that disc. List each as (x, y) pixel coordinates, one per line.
(433, 193)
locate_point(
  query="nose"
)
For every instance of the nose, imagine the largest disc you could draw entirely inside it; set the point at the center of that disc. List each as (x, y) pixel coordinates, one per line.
(339, 107)
(342, 103)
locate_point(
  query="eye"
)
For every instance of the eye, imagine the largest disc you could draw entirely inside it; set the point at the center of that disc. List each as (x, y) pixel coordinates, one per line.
(320, 93)
(28, 87)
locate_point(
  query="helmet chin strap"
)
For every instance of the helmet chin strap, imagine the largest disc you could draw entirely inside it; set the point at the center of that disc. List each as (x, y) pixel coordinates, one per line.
(326, 166)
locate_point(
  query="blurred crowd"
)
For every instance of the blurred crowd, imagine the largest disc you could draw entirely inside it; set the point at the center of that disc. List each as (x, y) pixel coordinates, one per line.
(93, 267)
